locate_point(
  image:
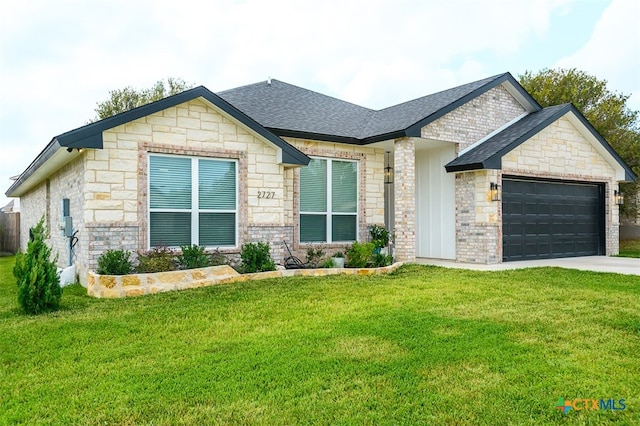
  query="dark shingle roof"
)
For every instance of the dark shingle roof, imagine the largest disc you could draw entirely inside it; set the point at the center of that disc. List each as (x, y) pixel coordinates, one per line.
(288, 110)
(488, 154)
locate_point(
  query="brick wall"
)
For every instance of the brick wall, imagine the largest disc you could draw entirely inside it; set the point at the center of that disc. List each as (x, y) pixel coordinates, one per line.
(405, 204)
(475, 119)
(478, 223)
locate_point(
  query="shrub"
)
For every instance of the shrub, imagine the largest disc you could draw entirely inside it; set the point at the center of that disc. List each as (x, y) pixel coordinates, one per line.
(255, 257)
(37, 276)
(192, 257)
(382, 259)
(158, 259)
(359, 254)
(115, 262)
(314, 254)
(379, 236)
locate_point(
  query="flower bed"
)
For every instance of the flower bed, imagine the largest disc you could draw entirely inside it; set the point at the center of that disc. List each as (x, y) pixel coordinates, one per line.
(116, 286)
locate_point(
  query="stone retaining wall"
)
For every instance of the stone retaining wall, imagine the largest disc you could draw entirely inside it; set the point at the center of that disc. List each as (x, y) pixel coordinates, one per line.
(117, 286)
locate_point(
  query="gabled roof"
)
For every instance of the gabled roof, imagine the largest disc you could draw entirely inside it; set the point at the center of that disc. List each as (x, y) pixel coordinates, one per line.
(488, 154)
(288, 110)
(90, 136)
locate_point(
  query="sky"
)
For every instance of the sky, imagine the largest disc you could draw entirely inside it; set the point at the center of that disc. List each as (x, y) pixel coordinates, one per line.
(59, 58)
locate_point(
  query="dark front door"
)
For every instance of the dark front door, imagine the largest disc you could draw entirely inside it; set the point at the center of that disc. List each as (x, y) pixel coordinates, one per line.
(544, 219)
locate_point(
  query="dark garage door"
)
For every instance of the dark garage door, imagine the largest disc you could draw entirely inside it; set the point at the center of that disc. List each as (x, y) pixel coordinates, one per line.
(547, 219)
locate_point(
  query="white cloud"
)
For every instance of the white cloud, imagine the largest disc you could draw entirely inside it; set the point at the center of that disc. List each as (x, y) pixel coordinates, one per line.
(613, 51)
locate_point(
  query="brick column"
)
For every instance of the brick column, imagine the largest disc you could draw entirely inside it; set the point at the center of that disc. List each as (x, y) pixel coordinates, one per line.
(405, 199)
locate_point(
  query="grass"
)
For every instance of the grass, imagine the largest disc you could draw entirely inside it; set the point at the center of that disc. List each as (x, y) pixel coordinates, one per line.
(629, 248)
(424, 345)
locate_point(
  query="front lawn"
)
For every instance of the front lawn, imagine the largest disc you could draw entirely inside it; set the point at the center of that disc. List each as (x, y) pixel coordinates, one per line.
(424, 345)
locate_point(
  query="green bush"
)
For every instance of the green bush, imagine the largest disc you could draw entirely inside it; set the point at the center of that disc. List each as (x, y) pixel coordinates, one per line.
(359, 254)
(158, 259)
(192, 257)
(381, 259)
(379, 236)
(37, 276)
(115, 262)
(255, 257)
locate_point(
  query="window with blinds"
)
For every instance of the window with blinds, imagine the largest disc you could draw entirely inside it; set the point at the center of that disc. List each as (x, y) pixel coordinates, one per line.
(192, 201)
(328, 201)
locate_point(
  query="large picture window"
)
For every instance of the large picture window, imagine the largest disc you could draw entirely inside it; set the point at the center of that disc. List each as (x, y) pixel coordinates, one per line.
(328, 201)
(192, 201)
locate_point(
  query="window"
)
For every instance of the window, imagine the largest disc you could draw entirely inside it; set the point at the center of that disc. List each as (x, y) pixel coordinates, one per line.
(192, 201)
(328, 201)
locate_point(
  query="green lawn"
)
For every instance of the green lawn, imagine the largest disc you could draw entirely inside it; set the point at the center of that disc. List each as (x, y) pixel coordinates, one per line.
(629, 248)
(424, 345)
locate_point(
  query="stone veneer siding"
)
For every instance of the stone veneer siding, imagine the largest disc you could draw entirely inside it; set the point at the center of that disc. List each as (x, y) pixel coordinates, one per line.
(561, 152)
(405, 203)
(108, 187)
(475, 119)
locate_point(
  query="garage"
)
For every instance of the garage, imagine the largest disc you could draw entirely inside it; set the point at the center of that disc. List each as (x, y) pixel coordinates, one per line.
(544, 219)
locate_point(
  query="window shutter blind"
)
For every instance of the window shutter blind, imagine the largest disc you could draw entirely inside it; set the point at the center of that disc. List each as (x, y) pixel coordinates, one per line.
(217, 185)
(313, 228)
(344, 194)
(170, 182)
(217, 229)
(170, 228)
(313, 186)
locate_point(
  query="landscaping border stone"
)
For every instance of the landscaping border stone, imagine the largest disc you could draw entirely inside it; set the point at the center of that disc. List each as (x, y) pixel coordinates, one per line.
(118, 286)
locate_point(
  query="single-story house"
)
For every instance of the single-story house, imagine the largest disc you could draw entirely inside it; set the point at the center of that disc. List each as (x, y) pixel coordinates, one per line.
(477, 173)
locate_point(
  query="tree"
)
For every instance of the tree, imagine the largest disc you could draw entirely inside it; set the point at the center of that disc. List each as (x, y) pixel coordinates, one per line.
(37, 276)
(606, 110)
(122, 100)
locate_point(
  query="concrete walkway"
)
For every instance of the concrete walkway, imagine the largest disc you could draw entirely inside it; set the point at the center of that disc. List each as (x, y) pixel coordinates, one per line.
(620, 265)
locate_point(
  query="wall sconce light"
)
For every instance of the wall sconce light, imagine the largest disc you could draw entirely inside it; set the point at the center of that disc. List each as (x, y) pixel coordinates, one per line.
(618, 197)
(494, 191)
(388, 171)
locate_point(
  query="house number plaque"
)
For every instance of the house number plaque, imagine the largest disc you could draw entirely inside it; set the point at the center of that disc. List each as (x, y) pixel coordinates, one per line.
(266, 194)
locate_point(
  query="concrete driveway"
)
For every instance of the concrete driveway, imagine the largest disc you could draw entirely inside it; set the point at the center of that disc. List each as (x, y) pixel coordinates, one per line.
(620, 265)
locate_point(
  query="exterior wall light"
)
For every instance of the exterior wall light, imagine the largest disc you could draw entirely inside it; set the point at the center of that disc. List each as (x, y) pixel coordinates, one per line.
(388, 171)
(618, 197)
(494, 191)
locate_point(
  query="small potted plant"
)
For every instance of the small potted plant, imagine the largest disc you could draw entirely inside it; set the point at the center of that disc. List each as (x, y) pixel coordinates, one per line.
(338, 259)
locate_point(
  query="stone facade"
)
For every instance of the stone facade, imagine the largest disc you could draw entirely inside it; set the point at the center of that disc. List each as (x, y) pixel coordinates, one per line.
(108, 187)
(475, 119)
(560, 151)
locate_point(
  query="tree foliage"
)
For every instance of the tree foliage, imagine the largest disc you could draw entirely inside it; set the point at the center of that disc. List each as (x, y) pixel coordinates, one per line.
(37, 276)
(607, 111)
(121, 100)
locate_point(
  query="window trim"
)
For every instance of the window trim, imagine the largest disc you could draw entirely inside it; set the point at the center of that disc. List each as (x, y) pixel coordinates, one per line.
(329, 213)
(194, 211)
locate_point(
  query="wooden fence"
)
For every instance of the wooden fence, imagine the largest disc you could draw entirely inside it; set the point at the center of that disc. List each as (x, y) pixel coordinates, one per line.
(9, 232)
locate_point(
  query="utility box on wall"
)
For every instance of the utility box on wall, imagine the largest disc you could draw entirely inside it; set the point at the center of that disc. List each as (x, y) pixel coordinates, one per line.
(66, 226)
